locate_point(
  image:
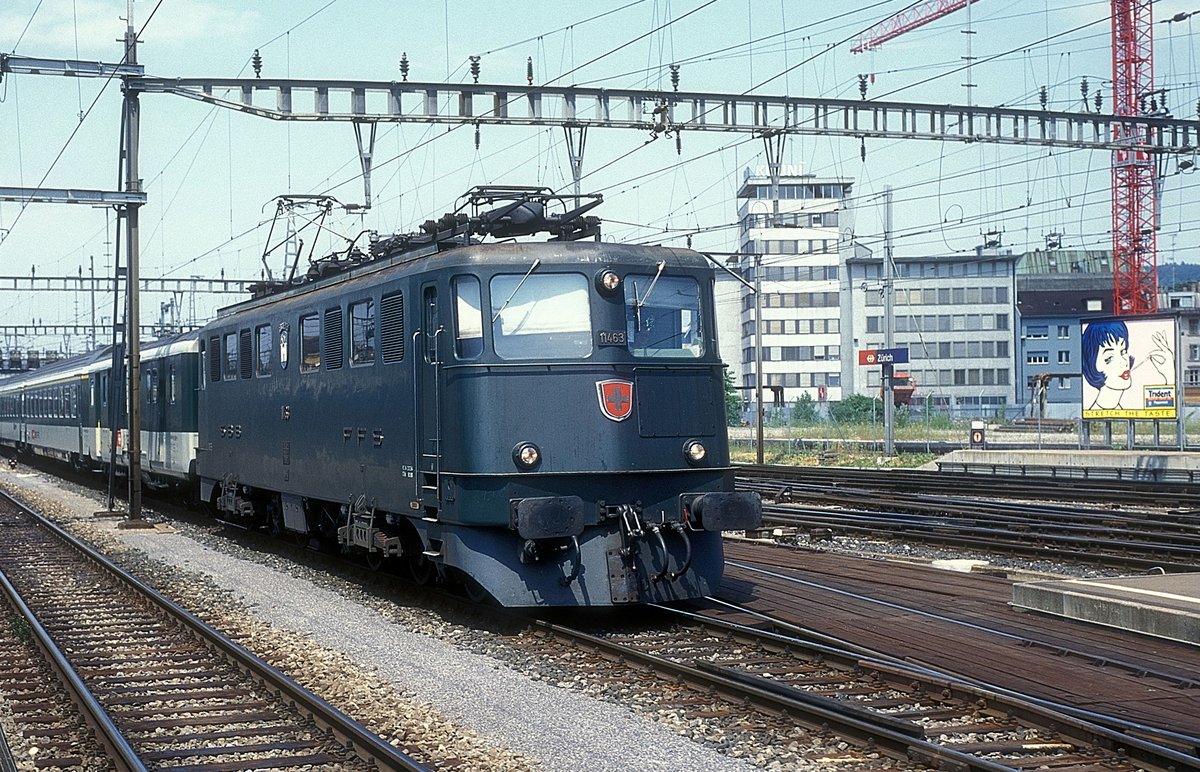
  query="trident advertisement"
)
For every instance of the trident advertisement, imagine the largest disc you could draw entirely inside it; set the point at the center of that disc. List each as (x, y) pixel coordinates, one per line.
(1129, 369)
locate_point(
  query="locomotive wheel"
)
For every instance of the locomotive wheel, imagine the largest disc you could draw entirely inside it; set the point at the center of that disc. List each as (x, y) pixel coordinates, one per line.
(474, 591)
(421, 569)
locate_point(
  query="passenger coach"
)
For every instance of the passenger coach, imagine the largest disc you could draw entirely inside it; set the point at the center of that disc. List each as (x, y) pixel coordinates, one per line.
(66, 411)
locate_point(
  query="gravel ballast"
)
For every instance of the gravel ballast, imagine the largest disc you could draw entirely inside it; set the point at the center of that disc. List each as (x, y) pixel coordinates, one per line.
(491, 715)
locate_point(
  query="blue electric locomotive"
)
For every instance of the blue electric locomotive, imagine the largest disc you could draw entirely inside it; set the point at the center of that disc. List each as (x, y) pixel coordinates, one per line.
(543, 422)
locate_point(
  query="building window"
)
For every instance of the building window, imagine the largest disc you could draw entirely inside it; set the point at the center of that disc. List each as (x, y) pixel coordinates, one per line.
(1064, 332)
(1037, 358)
(1064, 357)
(1093, 304)
(1037, 332)
(1064, 383)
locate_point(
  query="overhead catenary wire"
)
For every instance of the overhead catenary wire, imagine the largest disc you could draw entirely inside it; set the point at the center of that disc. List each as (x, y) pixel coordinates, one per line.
(611, 165)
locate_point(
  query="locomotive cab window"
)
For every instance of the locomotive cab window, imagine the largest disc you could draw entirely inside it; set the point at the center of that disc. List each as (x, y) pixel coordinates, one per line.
(541, 316)
(468, 318)
(662, 316)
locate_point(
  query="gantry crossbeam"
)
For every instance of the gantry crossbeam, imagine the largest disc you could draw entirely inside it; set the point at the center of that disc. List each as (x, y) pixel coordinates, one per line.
(219, 286)
(573, 106)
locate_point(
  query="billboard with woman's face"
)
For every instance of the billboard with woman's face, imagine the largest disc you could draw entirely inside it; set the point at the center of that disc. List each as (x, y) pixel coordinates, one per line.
(1129, 368)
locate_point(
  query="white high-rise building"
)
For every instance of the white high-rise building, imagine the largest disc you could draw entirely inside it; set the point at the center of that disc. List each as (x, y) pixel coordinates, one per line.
(794, 235)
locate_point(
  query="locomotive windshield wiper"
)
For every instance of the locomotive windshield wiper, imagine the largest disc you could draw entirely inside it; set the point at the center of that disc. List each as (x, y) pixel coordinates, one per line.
(637, 304)
(516, 289)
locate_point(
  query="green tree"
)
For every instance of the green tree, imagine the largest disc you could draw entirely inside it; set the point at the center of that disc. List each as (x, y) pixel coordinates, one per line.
(733, 401)
(856, 409)
(804, 410)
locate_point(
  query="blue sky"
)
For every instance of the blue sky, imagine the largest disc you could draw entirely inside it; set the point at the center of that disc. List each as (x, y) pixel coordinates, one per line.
(211, 174)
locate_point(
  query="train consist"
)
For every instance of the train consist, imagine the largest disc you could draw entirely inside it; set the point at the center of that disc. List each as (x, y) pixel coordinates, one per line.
(541, 422)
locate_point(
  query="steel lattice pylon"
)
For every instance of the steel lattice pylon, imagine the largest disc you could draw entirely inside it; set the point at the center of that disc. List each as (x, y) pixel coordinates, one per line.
(1135, 274)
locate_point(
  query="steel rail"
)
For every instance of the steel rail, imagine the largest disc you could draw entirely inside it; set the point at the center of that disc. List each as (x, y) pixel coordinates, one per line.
(943, 510)
(821, 714)
(119, 751)
(1141, 557)
(366, 744)
(1148, 743)
(1105, 490)
(1022, 640)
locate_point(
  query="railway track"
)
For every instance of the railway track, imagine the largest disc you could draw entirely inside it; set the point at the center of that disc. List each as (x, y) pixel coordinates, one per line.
(156, 686)
(880, 704)
(1129, 538)
(1132, 492)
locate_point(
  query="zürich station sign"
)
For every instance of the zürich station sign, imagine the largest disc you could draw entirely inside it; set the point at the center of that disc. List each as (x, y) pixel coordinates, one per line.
(883, 356)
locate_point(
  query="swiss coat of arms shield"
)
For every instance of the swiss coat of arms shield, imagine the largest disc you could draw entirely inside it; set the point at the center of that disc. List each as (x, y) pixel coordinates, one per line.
(616, 399)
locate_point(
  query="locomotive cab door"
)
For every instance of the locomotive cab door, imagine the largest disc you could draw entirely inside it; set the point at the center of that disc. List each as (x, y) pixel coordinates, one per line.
(428, 433)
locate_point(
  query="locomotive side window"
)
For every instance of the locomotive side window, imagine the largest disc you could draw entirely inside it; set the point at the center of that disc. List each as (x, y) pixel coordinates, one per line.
(310, 343)
(232, 359)
(468, 318)
(362, 333)
(262, 346)
(541, 317)
(662, 316)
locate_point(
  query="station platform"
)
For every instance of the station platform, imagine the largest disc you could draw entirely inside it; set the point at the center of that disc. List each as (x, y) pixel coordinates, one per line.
(1164, 466)
(1166, 606)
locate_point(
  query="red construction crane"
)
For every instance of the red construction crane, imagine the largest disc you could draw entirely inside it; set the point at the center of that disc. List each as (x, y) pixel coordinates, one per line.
(1134, 178)
(908, 19)
(1134, 174)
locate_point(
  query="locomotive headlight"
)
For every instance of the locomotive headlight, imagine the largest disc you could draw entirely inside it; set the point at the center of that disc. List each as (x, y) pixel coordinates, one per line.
(526, 455)
(607, 281)
(694, 451)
